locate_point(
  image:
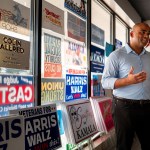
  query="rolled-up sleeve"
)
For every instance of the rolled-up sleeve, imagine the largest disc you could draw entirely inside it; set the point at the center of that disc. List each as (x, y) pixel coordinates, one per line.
(110, 74)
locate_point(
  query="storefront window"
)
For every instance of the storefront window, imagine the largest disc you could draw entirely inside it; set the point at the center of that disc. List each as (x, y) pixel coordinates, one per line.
(63, 53)
(121, 34)
(16, 75)
(102, 19)
(101, 33)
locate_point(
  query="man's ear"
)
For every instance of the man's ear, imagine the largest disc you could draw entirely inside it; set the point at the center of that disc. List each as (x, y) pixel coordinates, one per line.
(131, 34)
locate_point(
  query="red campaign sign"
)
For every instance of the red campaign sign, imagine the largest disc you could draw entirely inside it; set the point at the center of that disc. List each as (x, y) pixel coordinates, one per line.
(105, 107)
(15, 94)
(52, 70)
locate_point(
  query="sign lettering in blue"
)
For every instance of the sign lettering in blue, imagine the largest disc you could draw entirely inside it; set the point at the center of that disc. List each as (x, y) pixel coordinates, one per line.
(41, 127)
(76, 87)
(97, 59)
(16, 92)
(42, 132)
(12, 131)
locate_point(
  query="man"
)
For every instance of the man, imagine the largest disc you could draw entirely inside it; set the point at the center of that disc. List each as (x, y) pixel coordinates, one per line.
(127, 72)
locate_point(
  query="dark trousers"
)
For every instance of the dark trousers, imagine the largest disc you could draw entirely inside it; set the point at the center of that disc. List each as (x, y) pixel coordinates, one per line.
(130, 118)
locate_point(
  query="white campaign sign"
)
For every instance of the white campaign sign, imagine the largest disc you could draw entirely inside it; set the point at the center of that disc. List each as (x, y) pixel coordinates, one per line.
(12, 132)
(82, 121)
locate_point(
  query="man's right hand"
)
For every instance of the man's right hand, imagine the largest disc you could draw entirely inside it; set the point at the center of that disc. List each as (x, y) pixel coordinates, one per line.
(131, 79)
(136, 78)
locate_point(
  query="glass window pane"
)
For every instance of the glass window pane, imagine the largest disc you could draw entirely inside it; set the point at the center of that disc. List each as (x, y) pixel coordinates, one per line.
(102, 19)
(101, 32)
(64, 53)
(121, 33)
(16, 75)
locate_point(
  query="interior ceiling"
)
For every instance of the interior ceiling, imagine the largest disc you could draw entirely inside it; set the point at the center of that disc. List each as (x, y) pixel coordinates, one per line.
(142, 7)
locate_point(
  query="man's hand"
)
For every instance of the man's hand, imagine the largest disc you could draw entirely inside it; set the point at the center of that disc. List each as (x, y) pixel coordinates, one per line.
(131, 79)
(136, 78)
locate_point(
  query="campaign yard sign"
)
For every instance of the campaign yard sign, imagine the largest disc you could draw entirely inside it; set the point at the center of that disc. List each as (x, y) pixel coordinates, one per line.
(76, 28)
(97, 59)
(12, 132)
(52, 18)
(52, 56)
(97, 35)
(52, 90)
(75, 55)
(105, 107)
(16, 92)
(79, 7)
(96, 86)
(41, 127)
(82, 120)
(76, 87)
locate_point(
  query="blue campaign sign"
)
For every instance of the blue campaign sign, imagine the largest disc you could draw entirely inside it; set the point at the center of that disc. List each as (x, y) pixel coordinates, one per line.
(42, 132)
(97, 59)
(60, 122)
(15, 92)
(11, 132)
(15, 80)
(41, 127)
(76, 87)
(97, 86)
(118, 43)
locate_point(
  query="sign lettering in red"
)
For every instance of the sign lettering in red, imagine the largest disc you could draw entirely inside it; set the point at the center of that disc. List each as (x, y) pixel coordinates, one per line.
(16, 94)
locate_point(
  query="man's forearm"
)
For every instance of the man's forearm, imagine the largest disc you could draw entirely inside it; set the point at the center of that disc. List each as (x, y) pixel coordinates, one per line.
(121, 83)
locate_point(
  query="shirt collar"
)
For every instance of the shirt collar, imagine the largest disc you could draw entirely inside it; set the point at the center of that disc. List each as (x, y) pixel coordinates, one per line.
(129, 50)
